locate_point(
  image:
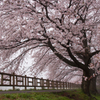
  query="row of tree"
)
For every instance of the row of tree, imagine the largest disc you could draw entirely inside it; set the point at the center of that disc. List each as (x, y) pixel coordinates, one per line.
(65, 34)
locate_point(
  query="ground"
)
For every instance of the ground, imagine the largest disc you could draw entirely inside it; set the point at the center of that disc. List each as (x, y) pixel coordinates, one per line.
(61, 95)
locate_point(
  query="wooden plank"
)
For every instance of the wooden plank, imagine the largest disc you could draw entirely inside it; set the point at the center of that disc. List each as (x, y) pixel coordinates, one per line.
(30, 82)
(6, 79)
(5, 73)
(19, 80)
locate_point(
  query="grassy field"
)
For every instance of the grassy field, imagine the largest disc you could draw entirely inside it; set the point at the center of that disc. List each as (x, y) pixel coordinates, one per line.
(65, 95)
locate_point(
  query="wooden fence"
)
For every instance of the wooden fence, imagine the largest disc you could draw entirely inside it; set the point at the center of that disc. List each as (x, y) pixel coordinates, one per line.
(24, 81)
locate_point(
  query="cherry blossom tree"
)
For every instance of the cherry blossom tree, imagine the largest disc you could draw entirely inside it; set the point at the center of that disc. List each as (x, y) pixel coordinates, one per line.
(67, 30)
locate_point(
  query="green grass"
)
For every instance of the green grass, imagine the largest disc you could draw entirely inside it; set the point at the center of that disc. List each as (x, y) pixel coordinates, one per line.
(64, 95)
(78, 95)
(97, 97)
(32, 96)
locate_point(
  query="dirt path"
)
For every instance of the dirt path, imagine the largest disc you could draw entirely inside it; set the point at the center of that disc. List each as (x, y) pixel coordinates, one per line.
(10, 92)
(27, 91)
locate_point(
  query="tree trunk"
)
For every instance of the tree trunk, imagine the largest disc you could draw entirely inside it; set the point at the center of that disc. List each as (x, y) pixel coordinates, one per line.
(85, 84)
(92, 88)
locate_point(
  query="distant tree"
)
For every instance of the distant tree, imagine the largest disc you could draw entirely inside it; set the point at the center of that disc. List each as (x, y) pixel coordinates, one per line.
(66, 29)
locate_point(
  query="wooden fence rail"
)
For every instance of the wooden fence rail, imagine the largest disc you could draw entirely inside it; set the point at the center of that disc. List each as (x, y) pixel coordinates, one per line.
(24, 81)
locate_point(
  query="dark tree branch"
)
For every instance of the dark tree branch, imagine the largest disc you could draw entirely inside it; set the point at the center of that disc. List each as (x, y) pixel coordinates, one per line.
(60, 56)
(94, 53)
(4, 47)
(79, 65)
(46, 9)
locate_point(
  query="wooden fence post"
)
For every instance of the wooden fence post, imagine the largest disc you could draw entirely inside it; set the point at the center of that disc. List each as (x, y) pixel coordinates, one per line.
(1, 79)
(63, 85)
(73, 86)
(52, 84)
(56, 84)
(13, 81)
(35, 83)
(16, 81)
(47, 83)
(10, 79)
(25, 82)
(69, 86)
(66, 85)
(60, 84)
(42, 83)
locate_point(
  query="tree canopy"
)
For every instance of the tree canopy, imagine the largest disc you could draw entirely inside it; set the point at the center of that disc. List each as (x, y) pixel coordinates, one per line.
(65, 32)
